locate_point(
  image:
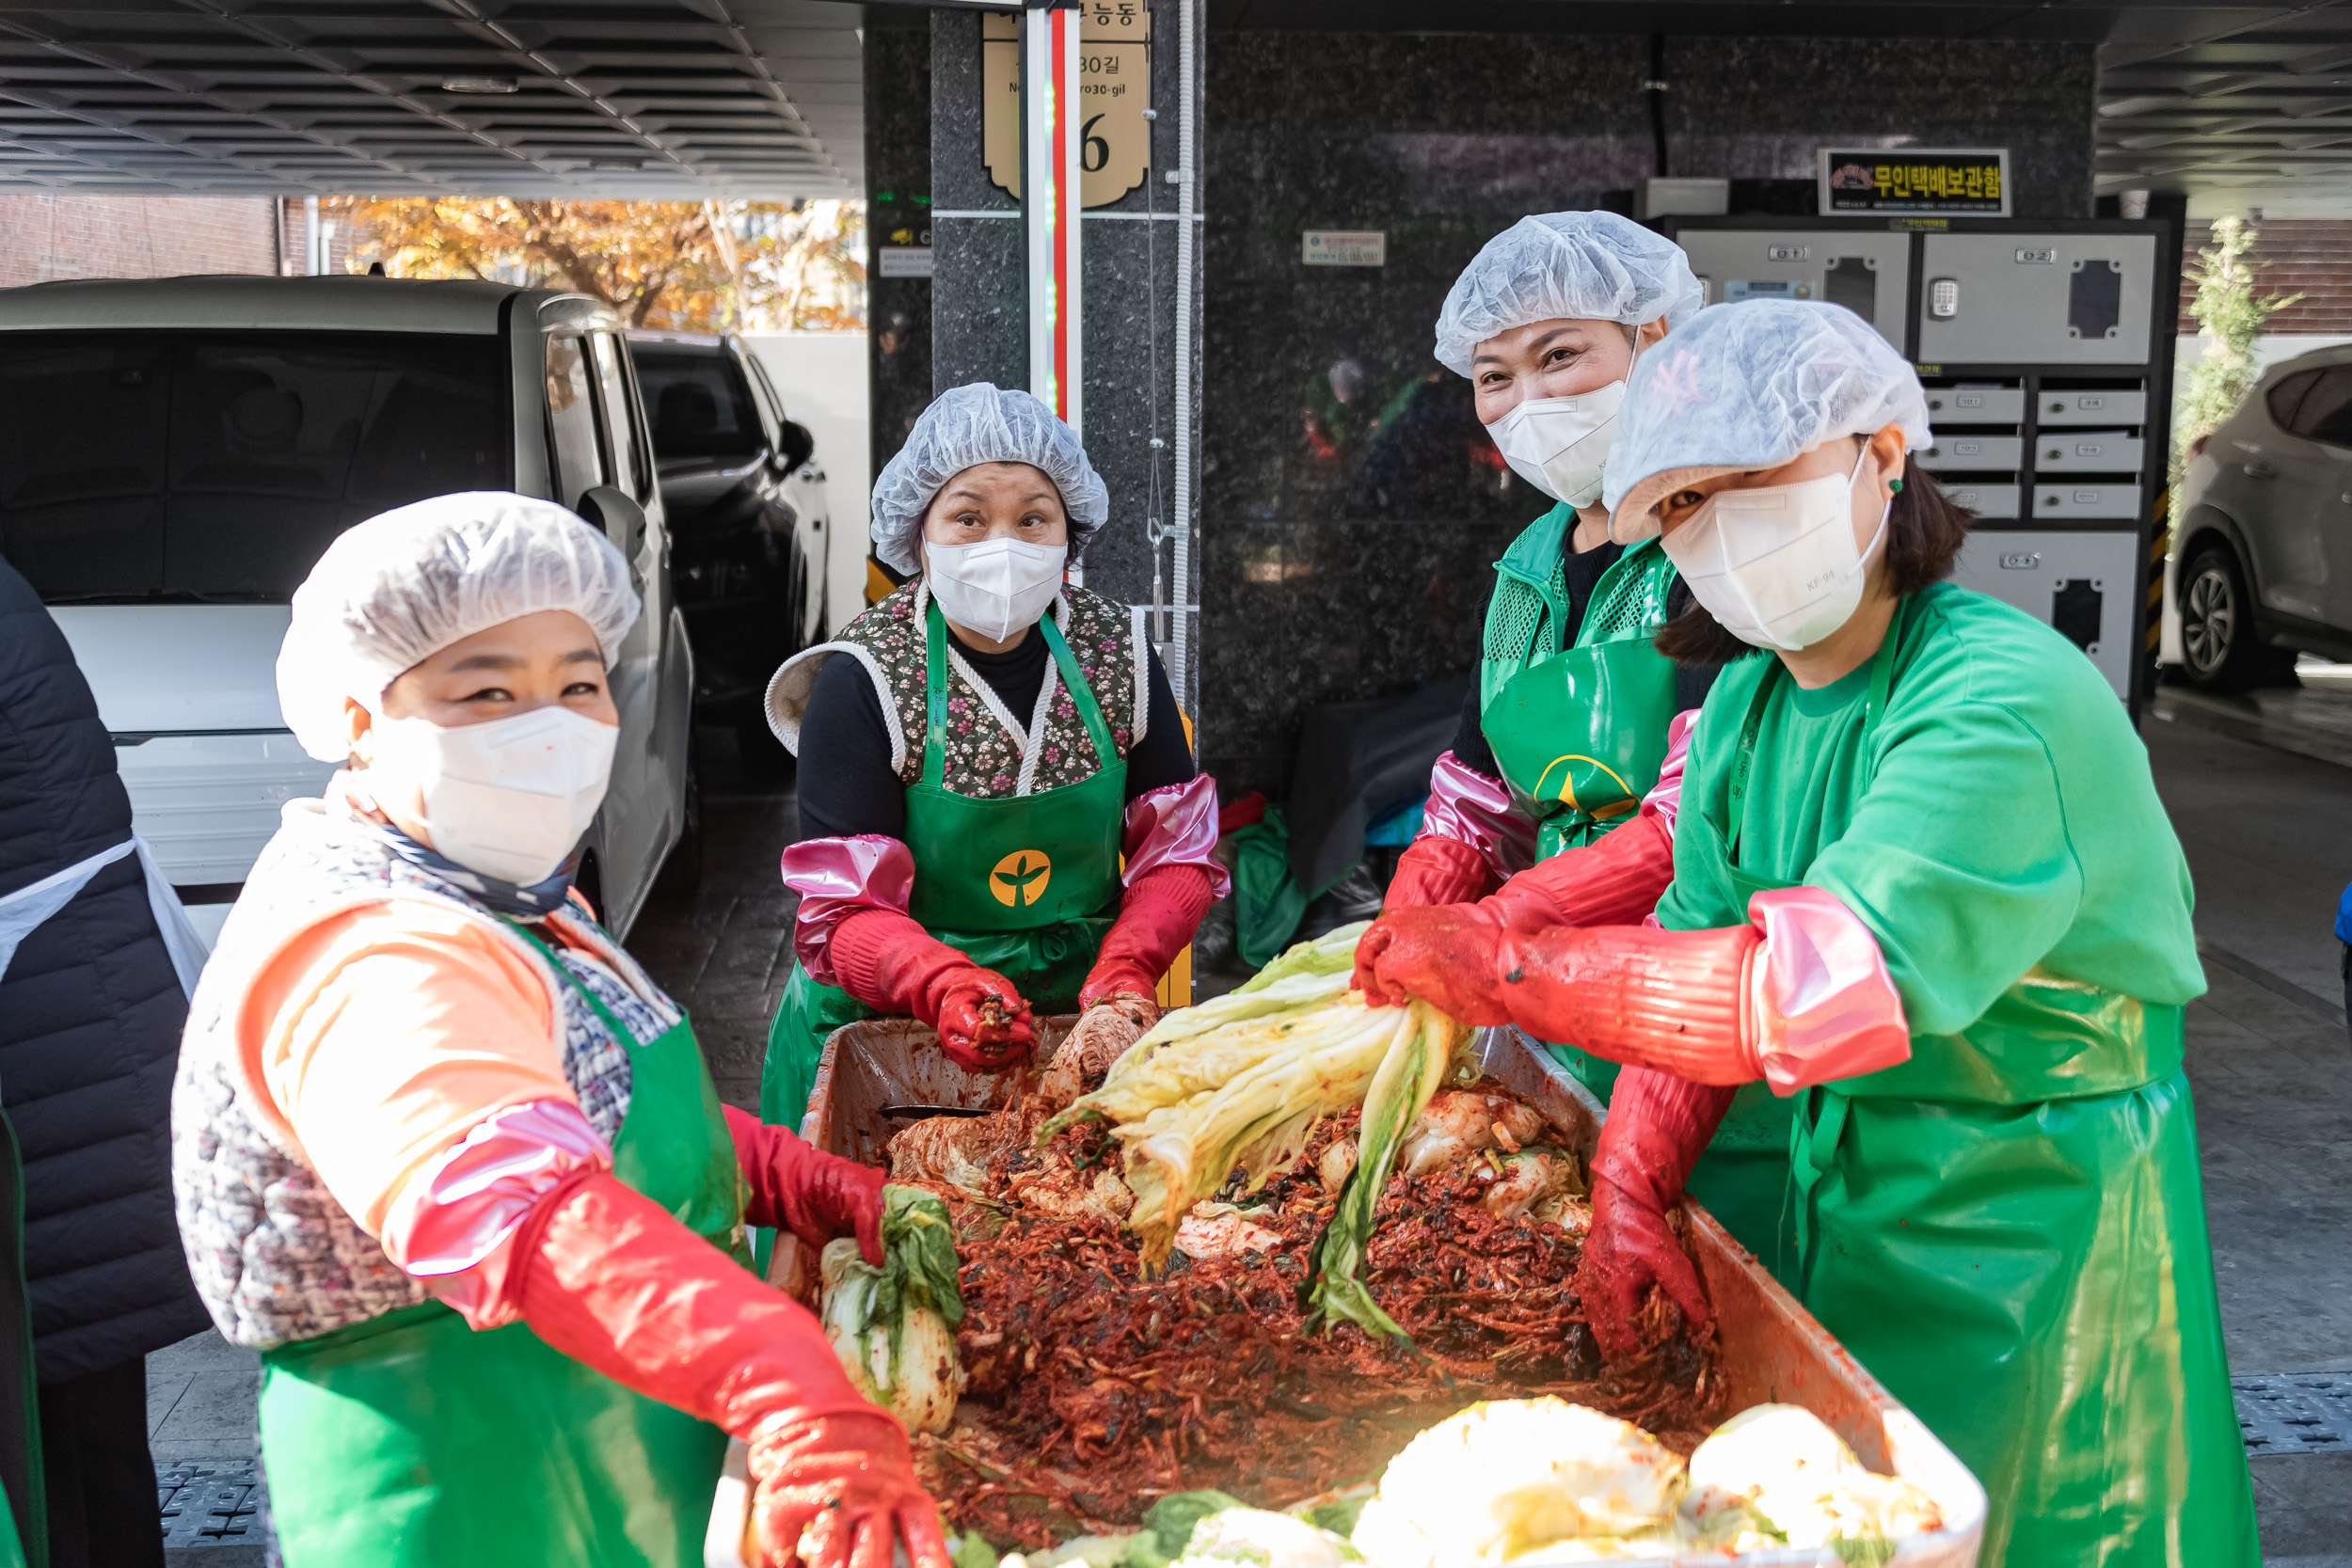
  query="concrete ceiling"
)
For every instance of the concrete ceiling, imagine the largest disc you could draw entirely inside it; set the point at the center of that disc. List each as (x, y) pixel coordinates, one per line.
(647, 99)
(2234, 104)
(763, 98)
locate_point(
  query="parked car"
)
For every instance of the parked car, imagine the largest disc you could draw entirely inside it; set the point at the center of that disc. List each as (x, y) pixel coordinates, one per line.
(746, 503)
(2264, 552)
(175, 455)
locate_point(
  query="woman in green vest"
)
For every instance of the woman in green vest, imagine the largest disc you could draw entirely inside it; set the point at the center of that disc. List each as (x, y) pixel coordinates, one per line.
(999, 810)
(1571, 732)
(1925, 889)
(446, 1157)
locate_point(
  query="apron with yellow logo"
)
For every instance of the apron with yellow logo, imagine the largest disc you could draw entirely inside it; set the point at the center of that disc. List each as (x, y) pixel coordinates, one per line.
(1024, 884)
(1579, 734)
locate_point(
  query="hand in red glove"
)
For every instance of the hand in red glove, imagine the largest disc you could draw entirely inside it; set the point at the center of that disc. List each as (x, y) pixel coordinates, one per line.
(1159, 913)
(813, 1194)
(1435, 870)
(1446, 955)
(983, 1023)
(889, 962)
(1658, 1127)
(836, 1490)
(605, 1276)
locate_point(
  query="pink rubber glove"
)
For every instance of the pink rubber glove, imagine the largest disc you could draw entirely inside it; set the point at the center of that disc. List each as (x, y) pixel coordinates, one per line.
(1658, 1127)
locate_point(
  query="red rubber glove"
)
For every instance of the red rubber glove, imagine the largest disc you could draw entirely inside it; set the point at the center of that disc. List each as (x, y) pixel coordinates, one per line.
(813, 1194)
(1435, 870)
(1656, 1128)
(1445, 955)
(1673, 1000)
(1158, 914)
(1615, 880)
(889, 962)
(607, 1276)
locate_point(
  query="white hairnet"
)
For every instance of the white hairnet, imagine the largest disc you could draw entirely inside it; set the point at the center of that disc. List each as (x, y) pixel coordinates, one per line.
(1573, 266)
(980, 423)
(406, 583)
(1753, 386)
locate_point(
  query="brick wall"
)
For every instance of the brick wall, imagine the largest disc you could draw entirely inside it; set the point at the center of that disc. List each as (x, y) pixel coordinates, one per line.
(43, 237)
(2311, 256)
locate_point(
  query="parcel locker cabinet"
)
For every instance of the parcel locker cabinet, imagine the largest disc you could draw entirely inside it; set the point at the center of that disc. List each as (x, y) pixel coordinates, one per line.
(1869, 272)
(2036, 298)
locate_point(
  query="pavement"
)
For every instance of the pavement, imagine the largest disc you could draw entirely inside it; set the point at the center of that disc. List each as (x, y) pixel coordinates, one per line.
(2260, 791)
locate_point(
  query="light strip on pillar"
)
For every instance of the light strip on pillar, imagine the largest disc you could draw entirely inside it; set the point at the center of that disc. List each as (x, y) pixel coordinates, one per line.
(1051, 66)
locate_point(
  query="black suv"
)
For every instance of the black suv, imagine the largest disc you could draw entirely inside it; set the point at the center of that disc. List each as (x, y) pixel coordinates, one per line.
(746, 505)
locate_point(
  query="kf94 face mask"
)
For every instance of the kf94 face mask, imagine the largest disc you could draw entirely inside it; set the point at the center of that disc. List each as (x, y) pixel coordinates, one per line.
(996, 586)
(509, 798)
(1559, 444)
(1777, 565)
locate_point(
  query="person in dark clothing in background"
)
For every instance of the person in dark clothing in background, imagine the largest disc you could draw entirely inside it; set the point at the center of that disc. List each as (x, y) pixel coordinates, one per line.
(92, 1001)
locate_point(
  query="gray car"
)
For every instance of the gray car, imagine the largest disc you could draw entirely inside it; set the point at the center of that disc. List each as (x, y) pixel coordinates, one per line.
(2263, 551)
(175, 453)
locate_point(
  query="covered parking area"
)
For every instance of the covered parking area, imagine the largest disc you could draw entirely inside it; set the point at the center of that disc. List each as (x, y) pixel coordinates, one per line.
(1278, 591)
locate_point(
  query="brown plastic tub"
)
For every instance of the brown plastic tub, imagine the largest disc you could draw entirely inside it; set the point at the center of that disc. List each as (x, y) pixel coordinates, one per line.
(1773, 1350)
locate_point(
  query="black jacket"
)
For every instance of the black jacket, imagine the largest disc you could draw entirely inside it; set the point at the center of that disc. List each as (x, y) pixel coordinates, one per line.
(91, 1015)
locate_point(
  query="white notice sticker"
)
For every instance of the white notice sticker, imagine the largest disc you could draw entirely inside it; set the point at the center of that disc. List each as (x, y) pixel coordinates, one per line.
(1344, 248)
(906, 260)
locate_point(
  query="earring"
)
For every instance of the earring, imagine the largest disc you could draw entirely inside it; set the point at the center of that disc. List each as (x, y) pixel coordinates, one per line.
(1893, 486)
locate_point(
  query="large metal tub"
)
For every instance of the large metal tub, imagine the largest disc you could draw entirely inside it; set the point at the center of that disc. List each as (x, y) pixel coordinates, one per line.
(1773, 1350)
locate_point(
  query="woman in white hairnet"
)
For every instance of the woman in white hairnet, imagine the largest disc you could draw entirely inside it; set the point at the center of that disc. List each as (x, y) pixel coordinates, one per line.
(1000, 812)
(1925, 889)
(1569, 752)
(446, 1156)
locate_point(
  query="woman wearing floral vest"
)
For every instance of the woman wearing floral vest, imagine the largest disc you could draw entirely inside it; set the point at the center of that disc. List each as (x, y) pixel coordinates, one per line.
(446, 1156)
(1001, 812)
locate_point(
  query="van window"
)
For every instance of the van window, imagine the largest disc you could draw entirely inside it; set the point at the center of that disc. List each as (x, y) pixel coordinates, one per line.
(201, 465)
(2282, 399)
(699, 402)
(572, 422)
(619, 428)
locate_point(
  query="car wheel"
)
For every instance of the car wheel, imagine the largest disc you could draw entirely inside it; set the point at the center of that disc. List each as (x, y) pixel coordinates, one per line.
(2217, 639)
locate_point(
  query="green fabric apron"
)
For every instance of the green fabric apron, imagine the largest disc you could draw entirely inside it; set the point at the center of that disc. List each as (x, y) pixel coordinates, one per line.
(1017, 883)
(1992, 1230)
(411, 1440)
(1579, 734)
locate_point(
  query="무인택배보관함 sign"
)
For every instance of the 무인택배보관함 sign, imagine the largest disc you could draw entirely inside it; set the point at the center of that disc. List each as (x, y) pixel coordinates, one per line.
(1858, 180)
(1115, 87)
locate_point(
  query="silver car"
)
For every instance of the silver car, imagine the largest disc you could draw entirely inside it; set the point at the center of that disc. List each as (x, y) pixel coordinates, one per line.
(176, 454)
(2263, 551)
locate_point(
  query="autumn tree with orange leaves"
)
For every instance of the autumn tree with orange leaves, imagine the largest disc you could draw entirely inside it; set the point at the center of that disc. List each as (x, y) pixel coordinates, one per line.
(692, 265)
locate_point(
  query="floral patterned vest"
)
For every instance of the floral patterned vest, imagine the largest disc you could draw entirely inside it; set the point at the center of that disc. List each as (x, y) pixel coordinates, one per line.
(989, 750)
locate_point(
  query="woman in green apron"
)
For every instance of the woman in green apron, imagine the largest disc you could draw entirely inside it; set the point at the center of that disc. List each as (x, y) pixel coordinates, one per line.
(1924, 889)
(446, 1156)
(1571, 731)
(1000, 815)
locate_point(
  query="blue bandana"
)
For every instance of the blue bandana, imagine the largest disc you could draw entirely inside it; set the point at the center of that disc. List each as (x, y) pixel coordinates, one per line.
(529, 903)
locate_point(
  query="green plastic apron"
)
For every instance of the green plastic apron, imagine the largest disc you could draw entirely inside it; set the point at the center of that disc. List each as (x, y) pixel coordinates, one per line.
(411, 1441)
(1579, 734)
(1017, 884)
(1990, 1229)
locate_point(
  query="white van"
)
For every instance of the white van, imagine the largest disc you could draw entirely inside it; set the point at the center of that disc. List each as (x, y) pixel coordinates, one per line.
(175, 453)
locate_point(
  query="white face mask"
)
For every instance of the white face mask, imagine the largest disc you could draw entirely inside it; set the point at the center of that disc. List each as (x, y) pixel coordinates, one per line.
(1777, 565)
(508, 799)
(1559, 444)
(996, 586)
